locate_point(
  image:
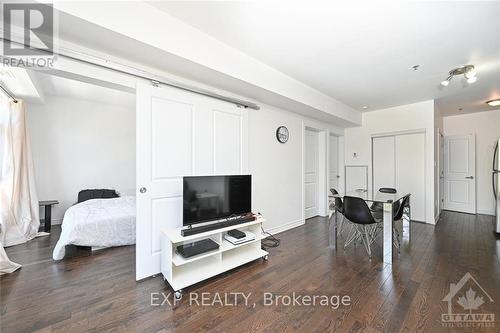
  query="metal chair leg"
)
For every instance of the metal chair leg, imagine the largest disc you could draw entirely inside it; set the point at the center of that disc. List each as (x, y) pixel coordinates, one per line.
(366, 240)
(351, 236)
(340, 229)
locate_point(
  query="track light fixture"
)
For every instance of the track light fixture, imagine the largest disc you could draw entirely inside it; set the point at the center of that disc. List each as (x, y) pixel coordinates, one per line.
(468, 71)
(494, 102)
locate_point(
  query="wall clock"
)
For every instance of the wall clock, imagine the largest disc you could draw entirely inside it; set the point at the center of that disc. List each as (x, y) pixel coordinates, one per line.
(282, 134)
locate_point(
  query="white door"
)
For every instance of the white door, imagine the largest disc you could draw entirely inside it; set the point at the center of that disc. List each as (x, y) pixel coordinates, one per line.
(333, 178)
(410, 171)
(460, 173)
(179, 134)
(384, 163)
(311, 175)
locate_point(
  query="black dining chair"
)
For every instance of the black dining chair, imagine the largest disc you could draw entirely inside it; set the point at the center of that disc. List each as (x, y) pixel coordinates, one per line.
(363, 224)
(378, 207)
(399, 208)
(338, 205)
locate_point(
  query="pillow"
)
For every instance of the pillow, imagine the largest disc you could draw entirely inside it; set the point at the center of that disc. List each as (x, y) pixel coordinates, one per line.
(96, 194)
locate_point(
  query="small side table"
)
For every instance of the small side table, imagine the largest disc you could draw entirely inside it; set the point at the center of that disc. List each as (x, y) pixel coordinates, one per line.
(47, 204)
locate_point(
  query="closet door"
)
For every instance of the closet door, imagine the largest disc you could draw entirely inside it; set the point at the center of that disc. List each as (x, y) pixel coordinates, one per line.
(410, 171)
(384, 162)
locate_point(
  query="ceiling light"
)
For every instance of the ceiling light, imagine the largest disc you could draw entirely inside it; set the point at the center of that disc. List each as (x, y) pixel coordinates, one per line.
(472, 79)
(447, 81)
(468, 71)
(364, 107)
(494, 102)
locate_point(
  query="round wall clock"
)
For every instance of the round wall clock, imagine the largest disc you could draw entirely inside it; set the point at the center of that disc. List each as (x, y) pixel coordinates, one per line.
(282, 134)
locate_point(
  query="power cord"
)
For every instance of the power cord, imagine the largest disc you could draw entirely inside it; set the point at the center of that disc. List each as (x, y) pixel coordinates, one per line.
(270, 241)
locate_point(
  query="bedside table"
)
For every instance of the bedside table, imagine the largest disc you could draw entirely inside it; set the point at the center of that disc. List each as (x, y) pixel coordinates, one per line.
(47, 204)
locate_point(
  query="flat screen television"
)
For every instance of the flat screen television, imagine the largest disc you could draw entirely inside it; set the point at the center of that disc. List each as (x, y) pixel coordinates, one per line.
(210, 198)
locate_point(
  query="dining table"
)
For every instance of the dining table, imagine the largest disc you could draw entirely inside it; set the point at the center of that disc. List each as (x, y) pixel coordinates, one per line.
(387, 200)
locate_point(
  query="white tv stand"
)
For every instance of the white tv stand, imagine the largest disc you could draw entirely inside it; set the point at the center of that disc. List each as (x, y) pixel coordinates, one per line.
(182, 272)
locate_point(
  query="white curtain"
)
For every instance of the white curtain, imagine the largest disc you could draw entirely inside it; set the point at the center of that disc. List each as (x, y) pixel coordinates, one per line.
(19, 220)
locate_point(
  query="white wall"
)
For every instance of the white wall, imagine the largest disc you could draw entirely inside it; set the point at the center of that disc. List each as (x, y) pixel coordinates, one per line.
(409, 117)
(486, 127)
(79, 144)
(277, 169)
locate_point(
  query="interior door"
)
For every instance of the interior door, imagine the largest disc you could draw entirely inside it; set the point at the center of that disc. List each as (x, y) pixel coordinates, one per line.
(179, 134)
(311, 175)
(460, 173)
(334, 176)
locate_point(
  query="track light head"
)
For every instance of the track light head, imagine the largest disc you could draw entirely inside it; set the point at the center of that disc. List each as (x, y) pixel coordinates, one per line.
(446, 82)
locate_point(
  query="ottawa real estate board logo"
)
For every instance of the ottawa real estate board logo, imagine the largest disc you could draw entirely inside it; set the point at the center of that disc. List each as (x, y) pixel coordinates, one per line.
(467, 301)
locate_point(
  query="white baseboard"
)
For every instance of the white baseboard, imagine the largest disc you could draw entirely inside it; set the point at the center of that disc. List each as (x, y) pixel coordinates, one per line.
(285, 227)
(485, 212)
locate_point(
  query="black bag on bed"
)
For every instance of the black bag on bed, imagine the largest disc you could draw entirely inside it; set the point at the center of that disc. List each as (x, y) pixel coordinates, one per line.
(96, 194)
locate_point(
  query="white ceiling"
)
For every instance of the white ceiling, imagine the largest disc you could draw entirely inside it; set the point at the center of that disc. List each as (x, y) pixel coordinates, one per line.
(363, 53)
(72, 89)
(19, 83)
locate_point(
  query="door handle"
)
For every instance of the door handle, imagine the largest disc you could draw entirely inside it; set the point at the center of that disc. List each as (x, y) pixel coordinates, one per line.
(470, 177)
(143, 190)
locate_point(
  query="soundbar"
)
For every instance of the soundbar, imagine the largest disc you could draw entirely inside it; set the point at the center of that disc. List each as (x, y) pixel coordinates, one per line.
(219, 225)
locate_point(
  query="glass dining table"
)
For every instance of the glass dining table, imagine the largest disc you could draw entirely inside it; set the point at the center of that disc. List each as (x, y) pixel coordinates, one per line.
(387, 199)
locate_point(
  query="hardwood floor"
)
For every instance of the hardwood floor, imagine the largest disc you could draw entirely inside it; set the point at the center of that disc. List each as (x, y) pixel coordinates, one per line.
(97, 292)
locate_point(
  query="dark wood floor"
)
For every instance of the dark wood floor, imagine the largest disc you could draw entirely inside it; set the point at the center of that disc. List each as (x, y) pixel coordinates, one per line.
(97, 292)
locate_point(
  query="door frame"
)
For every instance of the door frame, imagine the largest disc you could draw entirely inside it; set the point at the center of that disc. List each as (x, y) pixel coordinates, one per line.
(340, 163)
(440, 189)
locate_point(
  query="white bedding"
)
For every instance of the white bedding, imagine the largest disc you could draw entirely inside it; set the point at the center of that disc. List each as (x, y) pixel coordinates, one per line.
(98, 223)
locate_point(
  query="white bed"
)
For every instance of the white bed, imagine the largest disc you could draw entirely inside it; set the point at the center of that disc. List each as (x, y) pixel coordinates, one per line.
(98, 223)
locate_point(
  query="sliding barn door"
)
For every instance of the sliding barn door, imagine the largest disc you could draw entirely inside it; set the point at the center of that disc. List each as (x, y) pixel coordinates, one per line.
(179, 134)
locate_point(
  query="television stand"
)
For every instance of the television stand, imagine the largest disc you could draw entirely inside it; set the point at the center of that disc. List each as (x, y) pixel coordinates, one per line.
(182, 272)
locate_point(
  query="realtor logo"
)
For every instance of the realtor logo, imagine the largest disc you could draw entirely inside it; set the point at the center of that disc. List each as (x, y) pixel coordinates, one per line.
(464, 305)
(35, 21)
